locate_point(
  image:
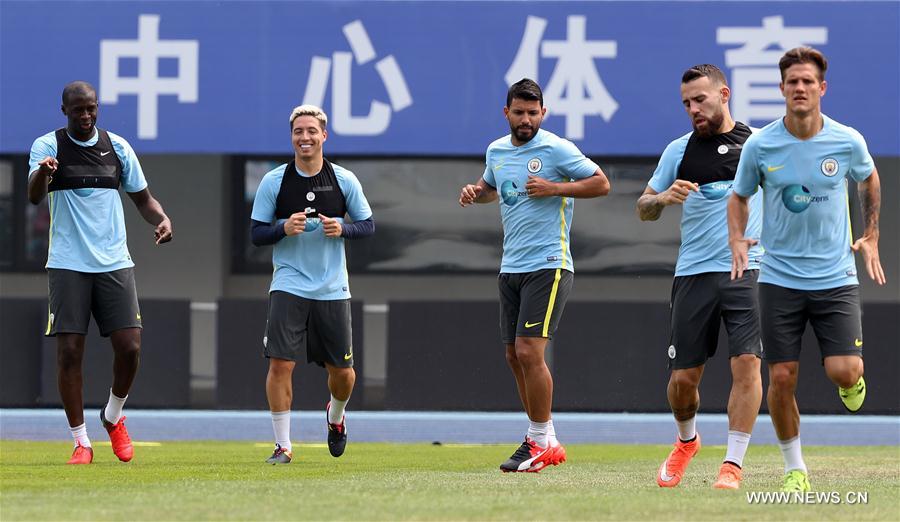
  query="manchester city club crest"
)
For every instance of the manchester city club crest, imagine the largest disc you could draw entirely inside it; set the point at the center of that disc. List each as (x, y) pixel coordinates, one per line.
(535, 165)
(310, 196)
(830, 167)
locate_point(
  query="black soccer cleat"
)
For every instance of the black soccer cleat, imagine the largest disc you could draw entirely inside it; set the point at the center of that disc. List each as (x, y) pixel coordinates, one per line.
(337, 434)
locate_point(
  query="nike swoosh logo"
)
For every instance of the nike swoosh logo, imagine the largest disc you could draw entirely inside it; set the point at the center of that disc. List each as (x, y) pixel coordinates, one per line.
(773, 169)
(348, 356)
(532, 325)
(105, 153)
(663, 472)
(498, 166)
(858, 343)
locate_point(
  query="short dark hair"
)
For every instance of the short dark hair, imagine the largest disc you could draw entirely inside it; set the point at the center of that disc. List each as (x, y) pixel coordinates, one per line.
(706, 70)
(76, 87)
(799, 55)
(524, 89)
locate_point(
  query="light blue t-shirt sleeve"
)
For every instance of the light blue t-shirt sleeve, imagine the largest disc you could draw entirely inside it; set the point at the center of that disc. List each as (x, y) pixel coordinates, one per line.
(861, 164)
(357, 206)
(264, 201)
(40, 149)
(667, 169)
(746, 178)
(133, 179)
(488, 175)
(572, 162)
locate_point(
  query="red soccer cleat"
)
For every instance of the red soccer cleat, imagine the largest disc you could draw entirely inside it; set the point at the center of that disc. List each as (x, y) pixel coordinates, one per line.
(532, 458)
(81, 455)
(118, 437)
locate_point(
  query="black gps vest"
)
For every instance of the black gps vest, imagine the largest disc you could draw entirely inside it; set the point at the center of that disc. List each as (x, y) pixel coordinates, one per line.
(96, 166)
(320, 194)
(713, 158)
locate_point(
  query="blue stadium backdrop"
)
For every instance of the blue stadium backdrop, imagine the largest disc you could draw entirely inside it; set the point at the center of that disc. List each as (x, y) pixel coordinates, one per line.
(427, 78)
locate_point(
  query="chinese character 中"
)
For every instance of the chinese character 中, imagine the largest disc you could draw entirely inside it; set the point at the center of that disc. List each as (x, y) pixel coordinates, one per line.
(148, 85)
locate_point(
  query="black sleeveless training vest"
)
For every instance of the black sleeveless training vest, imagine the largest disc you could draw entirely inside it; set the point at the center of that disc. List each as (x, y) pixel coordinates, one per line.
(714, 158)
(320, 193)
(97, 166)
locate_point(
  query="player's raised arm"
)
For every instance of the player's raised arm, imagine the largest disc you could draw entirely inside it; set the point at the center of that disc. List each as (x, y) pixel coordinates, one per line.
(592, 186)
(870, 198)
(40, 178)
(650, 205)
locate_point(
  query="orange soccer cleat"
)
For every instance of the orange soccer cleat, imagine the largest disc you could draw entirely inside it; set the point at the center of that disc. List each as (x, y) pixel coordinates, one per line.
(673, 468)
(729, 477)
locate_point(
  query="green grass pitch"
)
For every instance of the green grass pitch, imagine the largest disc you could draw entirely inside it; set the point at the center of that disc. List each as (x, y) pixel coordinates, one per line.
(229, 481)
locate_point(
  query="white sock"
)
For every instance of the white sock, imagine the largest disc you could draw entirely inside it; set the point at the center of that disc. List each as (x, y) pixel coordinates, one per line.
(793, 456)
(538, 432)
(737, 447)
(281, 424)
(336, 410)
(79, 433)
(551, 433)
(113, 410)
(687, 430)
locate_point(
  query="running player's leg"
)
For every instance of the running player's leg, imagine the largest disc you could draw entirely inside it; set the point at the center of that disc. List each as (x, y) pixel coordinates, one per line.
(740, 313)
(508, 285)
(543, 295)
(782, 321)
(836, 320)
(331, 345)
(68, 317)
(694, 334)
(285, 338)
(114, 304)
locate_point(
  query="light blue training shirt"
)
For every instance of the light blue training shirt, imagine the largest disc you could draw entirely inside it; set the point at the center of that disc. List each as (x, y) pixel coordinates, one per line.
(310, 265)
(535, 230)
(87, 226)
(806, 221)
(704, 214)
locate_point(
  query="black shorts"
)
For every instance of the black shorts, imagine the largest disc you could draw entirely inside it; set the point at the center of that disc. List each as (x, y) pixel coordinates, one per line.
(532, 303)
(320, 328)
(833, 313)
(110, 296)
(699, 303)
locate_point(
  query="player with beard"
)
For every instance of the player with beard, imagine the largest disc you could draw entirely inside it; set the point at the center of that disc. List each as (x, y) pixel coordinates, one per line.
(697, 171)
(535, 175)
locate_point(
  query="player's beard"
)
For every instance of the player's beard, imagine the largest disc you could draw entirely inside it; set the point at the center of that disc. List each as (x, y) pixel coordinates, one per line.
(713, 124)
(525, 135)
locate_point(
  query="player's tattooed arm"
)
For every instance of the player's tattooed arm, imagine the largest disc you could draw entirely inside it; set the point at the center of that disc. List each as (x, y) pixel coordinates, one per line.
(870, 199)
(651, 204)
(648, 206)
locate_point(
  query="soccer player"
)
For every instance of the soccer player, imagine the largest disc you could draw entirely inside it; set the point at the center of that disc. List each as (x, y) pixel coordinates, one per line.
(536, 175)
(802, 163)
(300, 208)
(697, 171)
(90, 272)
